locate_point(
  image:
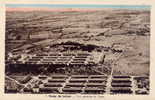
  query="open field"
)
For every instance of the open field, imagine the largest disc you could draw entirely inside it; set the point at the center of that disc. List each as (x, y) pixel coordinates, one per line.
(105, 42)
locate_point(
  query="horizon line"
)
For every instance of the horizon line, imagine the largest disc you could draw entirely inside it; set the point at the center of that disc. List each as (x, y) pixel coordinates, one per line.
(70, 7)
(77, 6)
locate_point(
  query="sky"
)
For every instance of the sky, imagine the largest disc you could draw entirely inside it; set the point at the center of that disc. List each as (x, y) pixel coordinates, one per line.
(63, 7)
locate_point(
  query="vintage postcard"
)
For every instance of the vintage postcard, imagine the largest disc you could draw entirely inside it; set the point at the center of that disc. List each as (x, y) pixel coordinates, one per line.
(77, 50)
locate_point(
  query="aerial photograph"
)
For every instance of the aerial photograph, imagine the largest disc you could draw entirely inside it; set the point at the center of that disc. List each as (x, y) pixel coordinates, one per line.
(77, 49)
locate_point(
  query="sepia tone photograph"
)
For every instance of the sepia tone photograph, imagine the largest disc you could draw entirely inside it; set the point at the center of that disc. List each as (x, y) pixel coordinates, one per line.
(77, 49)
